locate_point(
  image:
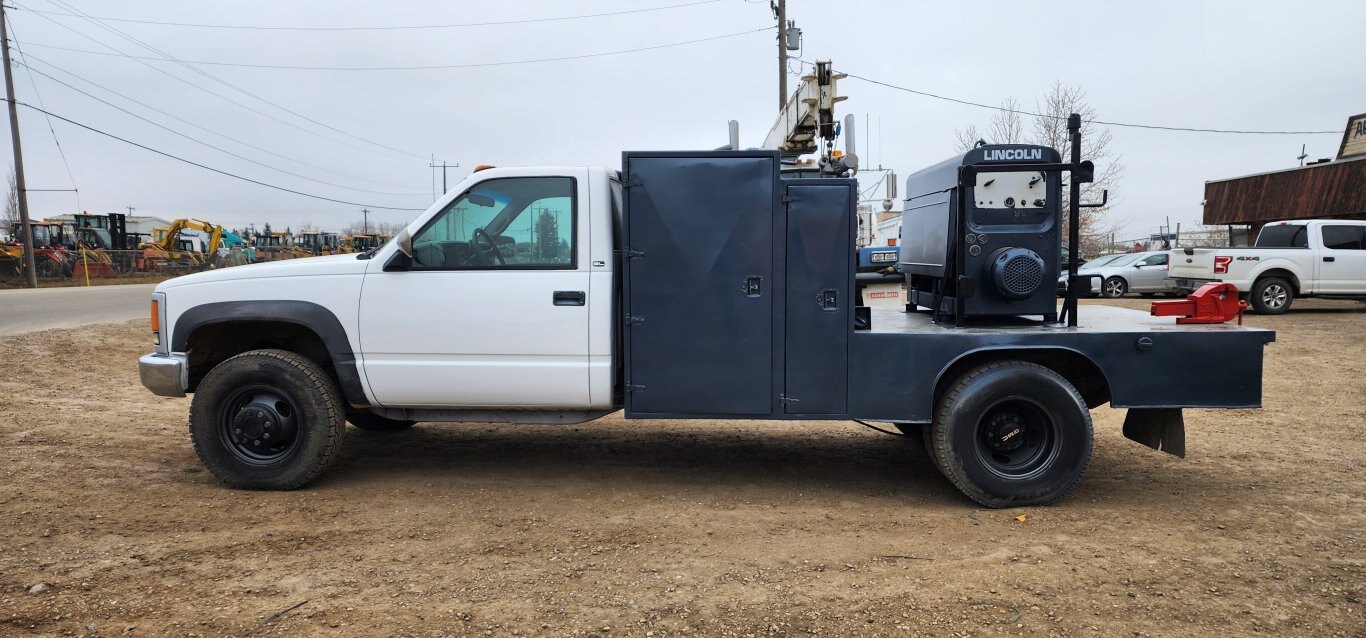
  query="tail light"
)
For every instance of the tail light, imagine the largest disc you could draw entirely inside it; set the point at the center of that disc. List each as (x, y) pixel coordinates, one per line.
(1221, 263)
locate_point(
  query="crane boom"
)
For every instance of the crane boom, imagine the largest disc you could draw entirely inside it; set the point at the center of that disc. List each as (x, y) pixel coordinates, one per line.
(808, 115)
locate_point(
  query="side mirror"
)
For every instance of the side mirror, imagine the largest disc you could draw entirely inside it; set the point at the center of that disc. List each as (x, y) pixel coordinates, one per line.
(404, 241)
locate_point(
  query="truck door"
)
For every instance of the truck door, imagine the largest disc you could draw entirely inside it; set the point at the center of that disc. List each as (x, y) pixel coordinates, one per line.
(494, 311)
(1341, 265)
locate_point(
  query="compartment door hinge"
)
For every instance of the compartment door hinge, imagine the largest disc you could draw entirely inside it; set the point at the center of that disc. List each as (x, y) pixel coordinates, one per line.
(787, 400)
(788, 199)
(632, 320)
(630, 387)
(632, 254)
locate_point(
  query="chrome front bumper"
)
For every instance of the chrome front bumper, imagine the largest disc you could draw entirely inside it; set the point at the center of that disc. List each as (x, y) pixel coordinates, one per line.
(164, 374)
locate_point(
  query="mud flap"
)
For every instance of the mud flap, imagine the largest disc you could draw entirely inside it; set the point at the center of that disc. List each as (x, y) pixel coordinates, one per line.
(1161, 429)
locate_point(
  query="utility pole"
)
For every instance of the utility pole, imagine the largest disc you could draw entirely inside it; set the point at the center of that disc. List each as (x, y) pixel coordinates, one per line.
(781, 10)
(130, 210)
(443, 168)
(18, 157)
(365, 221)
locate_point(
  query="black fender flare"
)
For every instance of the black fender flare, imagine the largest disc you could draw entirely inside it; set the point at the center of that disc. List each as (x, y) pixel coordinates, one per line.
(306, 314)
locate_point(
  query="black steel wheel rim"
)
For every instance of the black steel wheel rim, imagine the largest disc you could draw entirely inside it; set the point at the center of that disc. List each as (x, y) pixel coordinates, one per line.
(260, 425)
(1017, 439)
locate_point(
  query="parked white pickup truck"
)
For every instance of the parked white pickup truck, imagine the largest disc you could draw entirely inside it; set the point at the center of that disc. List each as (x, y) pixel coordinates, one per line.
(1305, 258)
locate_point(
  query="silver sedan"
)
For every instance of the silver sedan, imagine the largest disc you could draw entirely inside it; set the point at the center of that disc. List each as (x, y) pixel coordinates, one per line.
(1144, 273)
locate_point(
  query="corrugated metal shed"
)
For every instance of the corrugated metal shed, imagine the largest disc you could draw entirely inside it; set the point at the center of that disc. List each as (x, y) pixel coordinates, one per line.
(1333, 189)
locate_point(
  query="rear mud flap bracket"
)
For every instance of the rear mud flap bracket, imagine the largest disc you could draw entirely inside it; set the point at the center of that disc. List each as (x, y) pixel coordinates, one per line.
(1162, 429)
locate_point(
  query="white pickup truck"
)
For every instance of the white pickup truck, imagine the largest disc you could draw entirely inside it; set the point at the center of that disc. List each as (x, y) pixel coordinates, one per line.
(1304, 258)
(687, 285)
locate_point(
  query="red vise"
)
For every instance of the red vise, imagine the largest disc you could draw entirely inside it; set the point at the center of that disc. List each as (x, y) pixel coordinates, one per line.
(1212, 303)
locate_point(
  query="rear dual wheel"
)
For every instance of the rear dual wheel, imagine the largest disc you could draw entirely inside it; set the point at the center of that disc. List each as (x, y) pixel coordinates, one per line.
(1011, 433)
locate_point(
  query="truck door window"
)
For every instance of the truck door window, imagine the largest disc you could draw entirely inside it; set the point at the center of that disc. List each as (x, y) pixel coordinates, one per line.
(503, 223)
(1342, 237)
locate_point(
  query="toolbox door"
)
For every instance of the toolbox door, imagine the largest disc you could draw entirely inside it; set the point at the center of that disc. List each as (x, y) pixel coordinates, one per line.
(699, 283)
(820, 273)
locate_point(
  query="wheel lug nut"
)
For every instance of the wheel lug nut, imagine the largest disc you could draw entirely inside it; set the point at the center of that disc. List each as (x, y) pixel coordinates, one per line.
(266, 435)
(255, 442)
(237, 431)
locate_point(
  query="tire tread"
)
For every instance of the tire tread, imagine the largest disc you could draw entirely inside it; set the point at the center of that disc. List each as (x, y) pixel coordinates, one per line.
(333, 406)
(938, 444)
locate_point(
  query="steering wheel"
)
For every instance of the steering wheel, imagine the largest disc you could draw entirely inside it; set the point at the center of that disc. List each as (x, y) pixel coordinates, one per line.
(492, 250)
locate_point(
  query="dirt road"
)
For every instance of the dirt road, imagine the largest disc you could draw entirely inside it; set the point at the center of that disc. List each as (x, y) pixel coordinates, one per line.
(43, 308)
(677, 528)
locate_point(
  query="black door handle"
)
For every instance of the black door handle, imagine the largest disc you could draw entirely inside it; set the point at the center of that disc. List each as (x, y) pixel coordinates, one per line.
(1330, 258)
(570, 297)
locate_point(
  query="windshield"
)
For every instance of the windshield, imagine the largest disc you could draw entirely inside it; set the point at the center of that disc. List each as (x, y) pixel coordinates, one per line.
(1119, 260)
(1102, 261)
(96, 238)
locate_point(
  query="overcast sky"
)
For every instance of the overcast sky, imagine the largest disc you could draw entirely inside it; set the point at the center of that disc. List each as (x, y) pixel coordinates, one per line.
(1229, 65)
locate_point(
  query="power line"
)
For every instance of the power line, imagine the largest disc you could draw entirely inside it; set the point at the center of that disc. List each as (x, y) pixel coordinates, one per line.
(1059, 117)
(60, 151)
(216, 148)
(188, 122)
(415, 68)
(387, 28)
(231, 85)
(205, 90)
(208, 168)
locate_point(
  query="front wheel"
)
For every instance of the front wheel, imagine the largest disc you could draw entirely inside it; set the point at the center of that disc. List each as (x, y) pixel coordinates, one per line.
(1271, 296)
(267, 420)
(1012, 433)
(1114, 287)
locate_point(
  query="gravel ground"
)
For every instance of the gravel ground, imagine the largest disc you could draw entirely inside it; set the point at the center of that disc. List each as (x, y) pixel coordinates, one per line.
(677, 528)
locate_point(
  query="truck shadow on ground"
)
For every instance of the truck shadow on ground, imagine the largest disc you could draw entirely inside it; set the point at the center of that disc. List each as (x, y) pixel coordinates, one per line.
(663, 454)
(668, 456)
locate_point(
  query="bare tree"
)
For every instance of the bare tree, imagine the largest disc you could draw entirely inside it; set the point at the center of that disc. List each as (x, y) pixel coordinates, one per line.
(1049, 128)
(12, 203)
(381, 228)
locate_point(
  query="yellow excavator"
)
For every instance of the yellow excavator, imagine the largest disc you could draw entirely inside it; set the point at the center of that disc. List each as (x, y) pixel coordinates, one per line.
(167, 250)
